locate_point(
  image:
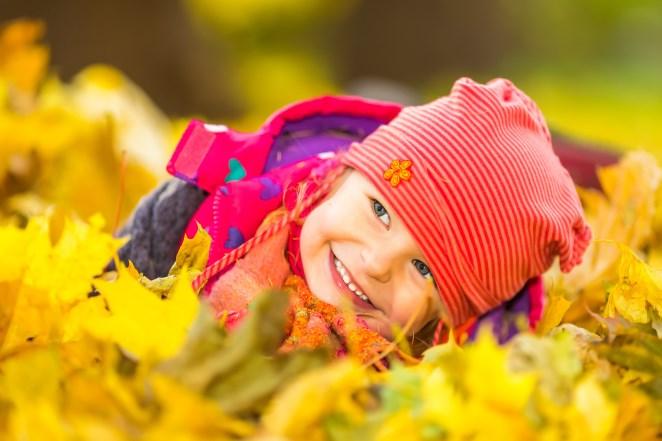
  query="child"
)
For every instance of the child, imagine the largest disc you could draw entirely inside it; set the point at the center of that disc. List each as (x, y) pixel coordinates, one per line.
(448, 210)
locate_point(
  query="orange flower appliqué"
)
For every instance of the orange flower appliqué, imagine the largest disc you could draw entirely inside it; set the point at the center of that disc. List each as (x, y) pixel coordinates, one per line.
(398, 171)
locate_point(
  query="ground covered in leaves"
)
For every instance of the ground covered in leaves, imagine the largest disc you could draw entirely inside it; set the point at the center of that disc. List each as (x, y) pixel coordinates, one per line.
(91, 355)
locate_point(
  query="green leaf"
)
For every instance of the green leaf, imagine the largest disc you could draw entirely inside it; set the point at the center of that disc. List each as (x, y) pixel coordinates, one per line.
(242, 370)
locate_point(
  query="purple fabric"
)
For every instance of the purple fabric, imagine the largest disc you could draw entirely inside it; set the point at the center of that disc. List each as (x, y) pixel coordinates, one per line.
(503, 319)
(303, 139)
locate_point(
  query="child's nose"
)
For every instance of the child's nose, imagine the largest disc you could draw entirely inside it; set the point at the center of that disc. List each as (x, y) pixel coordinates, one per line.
(377, 263)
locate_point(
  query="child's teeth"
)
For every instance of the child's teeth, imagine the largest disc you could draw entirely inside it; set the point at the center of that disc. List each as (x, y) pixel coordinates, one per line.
(345, 277)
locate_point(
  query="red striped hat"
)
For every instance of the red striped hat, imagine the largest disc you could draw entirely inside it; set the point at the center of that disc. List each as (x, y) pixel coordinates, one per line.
(474, 178)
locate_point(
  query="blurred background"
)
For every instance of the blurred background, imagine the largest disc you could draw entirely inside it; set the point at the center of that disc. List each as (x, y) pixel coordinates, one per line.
(95, 94)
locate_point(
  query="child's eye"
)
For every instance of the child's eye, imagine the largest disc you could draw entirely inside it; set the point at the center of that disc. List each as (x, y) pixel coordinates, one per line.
(381, 212)
(422, 268)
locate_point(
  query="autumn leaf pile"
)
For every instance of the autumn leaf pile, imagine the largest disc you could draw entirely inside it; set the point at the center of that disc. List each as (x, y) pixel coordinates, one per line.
(93, 354)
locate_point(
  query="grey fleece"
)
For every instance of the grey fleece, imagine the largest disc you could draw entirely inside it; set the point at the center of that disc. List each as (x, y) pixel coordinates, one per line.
(157, 226)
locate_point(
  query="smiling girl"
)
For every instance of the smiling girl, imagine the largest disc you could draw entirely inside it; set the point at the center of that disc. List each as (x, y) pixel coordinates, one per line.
(446, 210)
(353, 245)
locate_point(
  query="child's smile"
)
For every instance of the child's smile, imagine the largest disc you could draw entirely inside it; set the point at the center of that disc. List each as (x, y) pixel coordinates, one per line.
(355, 249)
(346, 282)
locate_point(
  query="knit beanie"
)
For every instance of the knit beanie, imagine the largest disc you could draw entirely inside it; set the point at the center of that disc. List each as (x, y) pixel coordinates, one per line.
(475, 180)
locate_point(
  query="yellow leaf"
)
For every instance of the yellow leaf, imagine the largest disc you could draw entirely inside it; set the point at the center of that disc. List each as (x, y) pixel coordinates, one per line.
(21, 60)
(555, 308)
(40, 420)
(639, 287)
(79, 255)
(12, 265)
(140, 321)
(635, 418)
(441, 401)
(400, 426)
(594, 410)
(81, 315)
(506, 390)
(35, 320)
(41, 283)
(30, 381)
(191, 258)
(30, 376)
(193, 253)
(100, 92)
(299, 409)
(626, 212)
(187, 415)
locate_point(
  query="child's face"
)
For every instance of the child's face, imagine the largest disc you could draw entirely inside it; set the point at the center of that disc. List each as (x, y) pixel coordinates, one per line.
(354, 248)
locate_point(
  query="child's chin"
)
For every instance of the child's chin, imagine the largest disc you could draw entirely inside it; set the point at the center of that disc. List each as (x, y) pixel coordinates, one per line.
(376, 325)
(331, 299)
(368, 321)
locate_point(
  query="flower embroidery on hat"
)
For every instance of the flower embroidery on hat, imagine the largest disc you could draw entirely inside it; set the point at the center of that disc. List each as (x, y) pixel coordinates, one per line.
(398, 171)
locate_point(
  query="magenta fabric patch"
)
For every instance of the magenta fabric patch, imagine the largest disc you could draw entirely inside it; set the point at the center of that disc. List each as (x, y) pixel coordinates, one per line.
(234, 212)
(209, 155)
